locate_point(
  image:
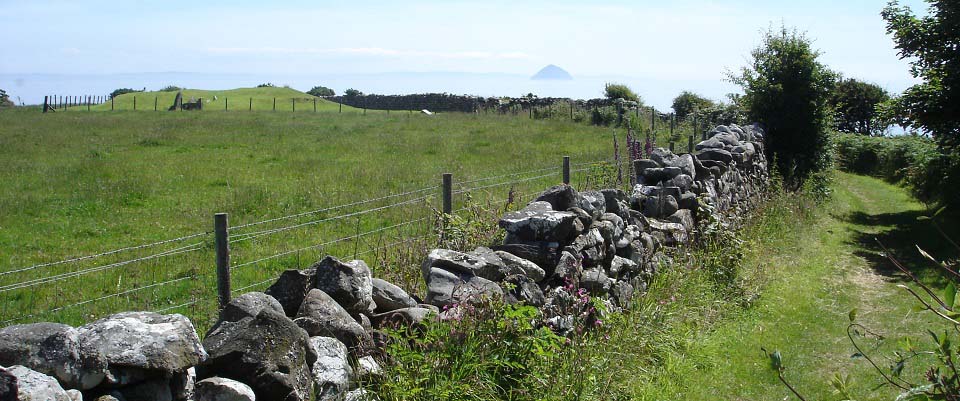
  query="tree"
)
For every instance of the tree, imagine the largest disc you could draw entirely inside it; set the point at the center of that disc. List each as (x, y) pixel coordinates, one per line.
(786, 90)
(855, 105)
(615, 91)
(5, 99)
(121, 91)
(688, 102)
(321, 91)
(352, 93)
(933, 45)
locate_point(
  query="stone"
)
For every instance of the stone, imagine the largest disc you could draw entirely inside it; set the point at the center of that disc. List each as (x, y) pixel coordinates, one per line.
(710, 143)
(157, 389)
(520, 288)
(452, 261)
(644, 164)
(8, 385)
(403, 317)
(560, 197)
(291, 287)
(568, 270)
(144, 340)
(494, 268)
(390, 297)
(348, 283)
(183, 383)
(719, 155)
(268, 352)
(659, 206)
(223, 389)
(538, 222)
(673, 233)
(321, 315)
(74, 394)
(331, 371)
(544, 254)
(663, 157)
(359, 395)
(683, 182)
(52, 349)
(476, 290)
(622, 292)
(517, 265)
(596, 281)
(613, 198)
(621, 267)
(249, 305)
(593, 202)
(683, 217)
(35, 386)
(440, 286)
(688, 201)
(367, 368)
(686, 164)
(114, 396)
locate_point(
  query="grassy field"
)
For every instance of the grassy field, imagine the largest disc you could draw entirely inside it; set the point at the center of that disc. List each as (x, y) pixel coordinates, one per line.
(811, 271)
(242, 99)
(78, 184)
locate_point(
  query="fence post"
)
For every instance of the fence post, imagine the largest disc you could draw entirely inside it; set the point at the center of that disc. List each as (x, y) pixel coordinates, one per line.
(447, 193)
(251, 104)
(45, 105)
(314, 105)
(274, 104)
(293, 104)
(690, 144)
(653, 123)
(88, 103)
(111, 103)
(671, 146)
(223, 258)
(566, 170)
(226, 104)
(341, 107)
(134, 103)
(156, 99)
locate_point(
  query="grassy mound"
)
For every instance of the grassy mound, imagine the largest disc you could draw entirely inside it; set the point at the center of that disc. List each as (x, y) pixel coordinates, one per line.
(241, 99)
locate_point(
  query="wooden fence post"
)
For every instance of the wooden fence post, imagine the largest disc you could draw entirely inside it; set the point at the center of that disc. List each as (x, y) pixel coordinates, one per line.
(251, 104)
(46, 106)
(226, 104)
(690, 144)
(134, 103)
(274, 104)
(671, 146)
(293, 104)
(566, 170)
(111, 103)
(314, 105)
(341, 107)
(88, 103)
(156, 100)
(221, 234)
(447, 193)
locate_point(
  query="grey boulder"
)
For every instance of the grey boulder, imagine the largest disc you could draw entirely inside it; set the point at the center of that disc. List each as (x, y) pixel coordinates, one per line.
(52, 349)
(223, 389)
(539, 222)
(321, 315)
(268, 352)
(390, 297)
(144, 341)
(517, 265)
(249, 305)
(291, 287)
(35, 386)
(331, 371)
(349, 283)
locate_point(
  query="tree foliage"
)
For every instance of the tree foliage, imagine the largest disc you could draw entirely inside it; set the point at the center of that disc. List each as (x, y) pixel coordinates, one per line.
(352, 93)
(620, 91)
(855, 105)
(786, 90)
(5, 99)
(121, 91)
(321, 91)
(688, 102)
(932, 43)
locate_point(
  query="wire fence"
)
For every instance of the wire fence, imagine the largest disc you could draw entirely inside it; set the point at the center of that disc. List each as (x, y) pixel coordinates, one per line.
(390, 233)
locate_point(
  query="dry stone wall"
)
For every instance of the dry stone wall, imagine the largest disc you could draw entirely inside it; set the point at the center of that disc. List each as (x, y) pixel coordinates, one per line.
(313, 334)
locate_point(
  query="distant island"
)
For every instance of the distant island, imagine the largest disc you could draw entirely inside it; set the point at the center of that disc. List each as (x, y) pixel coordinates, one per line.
(552, 72)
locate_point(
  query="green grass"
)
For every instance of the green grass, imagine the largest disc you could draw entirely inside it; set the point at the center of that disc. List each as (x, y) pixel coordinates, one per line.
(242, 99)
(810, 272)
(82, 183)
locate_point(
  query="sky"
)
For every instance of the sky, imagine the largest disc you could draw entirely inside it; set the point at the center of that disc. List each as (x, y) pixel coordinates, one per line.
(686, 40)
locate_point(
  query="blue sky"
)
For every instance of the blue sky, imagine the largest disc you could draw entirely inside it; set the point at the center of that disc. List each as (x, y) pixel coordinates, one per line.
(670, 40)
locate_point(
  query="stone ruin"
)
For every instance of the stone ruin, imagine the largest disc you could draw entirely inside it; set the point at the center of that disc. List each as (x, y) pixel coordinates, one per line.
(313, 333)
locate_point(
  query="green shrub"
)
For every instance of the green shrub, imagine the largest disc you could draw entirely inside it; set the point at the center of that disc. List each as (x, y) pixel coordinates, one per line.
(620, 91)
(266, 85)
(688, 102)
(786, 90)
(171, 88)
(321, 91)
(5, 99)
(855, 107)
(121, 91)
(603, 116)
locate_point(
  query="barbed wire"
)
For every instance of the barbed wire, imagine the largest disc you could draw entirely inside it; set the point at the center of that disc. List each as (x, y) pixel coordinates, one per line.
(341, 239)
(176, 306)
(326, 209)
(506, 183)
(257, 234)
(63, 276)
(115, 251)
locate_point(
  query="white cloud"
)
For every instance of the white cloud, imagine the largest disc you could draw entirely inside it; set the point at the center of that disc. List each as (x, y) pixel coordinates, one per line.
(375, 52)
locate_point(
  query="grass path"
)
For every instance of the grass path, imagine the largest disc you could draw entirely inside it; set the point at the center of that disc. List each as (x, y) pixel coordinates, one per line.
(815, 278)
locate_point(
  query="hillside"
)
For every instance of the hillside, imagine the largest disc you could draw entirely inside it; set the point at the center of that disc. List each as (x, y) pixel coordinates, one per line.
(241, 99)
